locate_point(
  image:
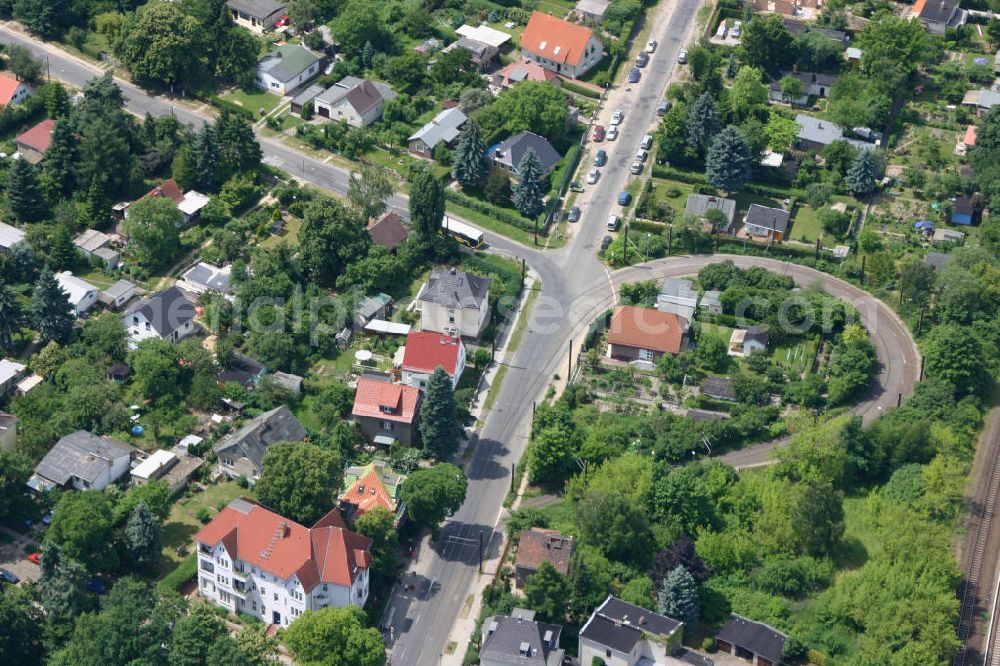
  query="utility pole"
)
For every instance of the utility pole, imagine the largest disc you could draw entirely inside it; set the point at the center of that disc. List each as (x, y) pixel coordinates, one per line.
(569, 373)
(716, 241)
(480, 551)
(536, 231)
(863, 258)
(816, 256)
(493, 350)
(920, 321)
(670, 240)
(523, 270)
(921, 378)
(625, 251)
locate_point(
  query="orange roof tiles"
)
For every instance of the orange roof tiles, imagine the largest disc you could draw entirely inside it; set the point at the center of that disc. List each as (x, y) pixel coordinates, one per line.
(327, 553)
(426, 350)
(539, 545)
(8, 86)
(169, 189)
(918, 7)
(555, 39)
(383, 400)
(970, 136)
(38, 137)
(369, 493)
(646, 329)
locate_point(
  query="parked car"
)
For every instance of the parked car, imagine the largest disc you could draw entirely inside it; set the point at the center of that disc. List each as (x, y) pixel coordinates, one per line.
(634, 75)
(682, 57)
(574, 214)
(601, 158)
(576, 186)
(641, 155)
(47, 518)
(35, 558)
(605, 242)
(617, 117)
(721, 32)
(96, 586)
(647, 142)
(9, 577)
(650, 46)
(737, 28)
(636, 168)
(593, 175)
(663, 107)
(613, 222)
(599, 133)
(612, 133)
(642, 59)
(625, 198)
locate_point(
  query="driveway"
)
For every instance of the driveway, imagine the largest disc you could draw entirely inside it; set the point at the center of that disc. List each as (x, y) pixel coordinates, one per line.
(13, 555)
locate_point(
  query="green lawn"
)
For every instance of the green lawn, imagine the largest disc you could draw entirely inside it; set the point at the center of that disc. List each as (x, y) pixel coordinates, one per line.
(805, 224)
(796, 357)
(494, 225)
(289, 234)
(717, 331)
(254, 101)
(182, 523)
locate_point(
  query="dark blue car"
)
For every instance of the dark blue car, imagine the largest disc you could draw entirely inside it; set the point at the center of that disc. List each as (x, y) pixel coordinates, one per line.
(96, 586)
(633, 76)
(9, 577)
(601, 158)
(624, 198)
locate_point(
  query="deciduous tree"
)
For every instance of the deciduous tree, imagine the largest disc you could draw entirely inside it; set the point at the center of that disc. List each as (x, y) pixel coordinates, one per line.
(546, 591)
(153, 225)
(300, 480)
(335, 637)
(161, 43)
(368, 191)
(82, 527)
(432, 494)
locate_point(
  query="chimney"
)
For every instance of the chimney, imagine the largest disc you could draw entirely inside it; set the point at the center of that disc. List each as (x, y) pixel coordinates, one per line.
(452, 270)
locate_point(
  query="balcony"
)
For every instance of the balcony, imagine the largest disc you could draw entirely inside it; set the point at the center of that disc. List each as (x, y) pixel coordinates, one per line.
(240, 574)
(240, 590)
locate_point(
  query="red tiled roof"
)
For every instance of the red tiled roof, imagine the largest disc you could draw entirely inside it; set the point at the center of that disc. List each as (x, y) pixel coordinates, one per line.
(388, 230)
(646, 329)
(8, 86)
(38, 137)
(918, 7)
(555, 39)
(169, 189)
(372, 395)
(426, 350)
(970, 136)
(538, 545)
(369, 493)
(532, 72)
(327, 553)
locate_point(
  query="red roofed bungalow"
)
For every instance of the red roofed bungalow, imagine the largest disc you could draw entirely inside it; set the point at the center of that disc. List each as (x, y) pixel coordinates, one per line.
(12, 91)
(170, 189)
(386, 412)
(644, 334)
(254, 561)
(33, 143)
(425, 351)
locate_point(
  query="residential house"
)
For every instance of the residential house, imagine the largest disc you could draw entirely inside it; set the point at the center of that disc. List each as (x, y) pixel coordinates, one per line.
(485, 34)
(711, 300)
(10, 375)
(592, 11)
(443, 129)
(83, 461)
(969, 139)
(371, 307)
(766, 222)
(286, 68)
(167, 315)
(981, 100)
(519, 639)
(644, 334)
(815, 134)
(565, 48)
(252, 560)
(241, 453)
(387, 412)
(12, 91)
(118, 294)
(27, 385)
(539, 545)
(455, 302)
(966, 209)
(783, 7)
(257, 16)
(9, 236)
(507, 155)
(699, 205)
(357, 102)
(388, 230)
(425, 351)
(938, 15)
(189, 203)
(81, 294)
(942, 236)
(720, 388)
(623, 634)
(304, 97)
(204, 277)
(482, 55)
(758, 643)
(244, 370)
(679, 297)
(369, 487)
(523, 70)
(153, 467)
(96, 245)
(746, 341)
(8, 431)
(288, 381)
(813, 85)
(33, 143)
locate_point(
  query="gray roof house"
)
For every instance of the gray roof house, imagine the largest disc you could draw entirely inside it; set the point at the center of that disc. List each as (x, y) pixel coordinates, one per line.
(358, 102)
(286, 68)
(371, 307)
(699, 205)
(767, 222)
(982, 100)
(83, 461)
(519, 639)
(258, 16)
(720, 388)
(508, 154)
(740, 636)
(815, 133)
(118, 294)
(444, 128)
(168, 315)
(678, 296)
(455, 302)
(621, 633)
(939, 15)
(241, 453)
(592, 10)
(204, 277)
(711, 300)
(289, 382)
(9, 236)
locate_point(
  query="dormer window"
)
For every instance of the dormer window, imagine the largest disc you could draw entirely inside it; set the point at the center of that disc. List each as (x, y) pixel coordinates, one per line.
(387, 409)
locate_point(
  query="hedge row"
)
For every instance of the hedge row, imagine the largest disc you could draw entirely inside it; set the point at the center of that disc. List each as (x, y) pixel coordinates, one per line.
(648, 227)
(184, 572)
(580, 90)
(670, 173)
(226, 105)
(489, 209)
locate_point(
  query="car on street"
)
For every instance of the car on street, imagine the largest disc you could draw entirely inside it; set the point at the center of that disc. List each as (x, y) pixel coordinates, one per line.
(641, 155)
(9, 577)
(634, 75)
(651, 46)
(576, 186)
(682, 57)
(612, 133)
(593, 175)
(96, 586)
(625, 198)
(35, 558)
(613, 222)
(617, 117)
(737, 28)
(636, 168)
(663, 107)
(601, 158)
(647, 142)
(599, 133)
(642, 59)
(605, 242)
(574, 214)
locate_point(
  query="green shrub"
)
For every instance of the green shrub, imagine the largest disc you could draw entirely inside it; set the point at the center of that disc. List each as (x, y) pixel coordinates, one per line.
(184, 572)
(203, 515)
(708, 644)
